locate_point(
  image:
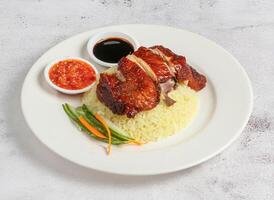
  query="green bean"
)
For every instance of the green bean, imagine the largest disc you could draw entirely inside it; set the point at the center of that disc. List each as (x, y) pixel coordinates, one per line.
(72, 114)
(116, 134)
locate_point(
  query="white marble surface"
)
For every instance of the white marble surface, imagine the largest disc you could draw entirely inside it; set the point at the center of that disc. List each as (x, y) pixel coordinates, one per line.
(28, 170)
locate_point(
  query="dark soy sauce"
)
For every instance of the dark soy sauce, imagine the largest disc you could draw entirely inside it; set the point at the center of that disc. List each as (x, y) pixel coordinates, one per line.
(112, 50)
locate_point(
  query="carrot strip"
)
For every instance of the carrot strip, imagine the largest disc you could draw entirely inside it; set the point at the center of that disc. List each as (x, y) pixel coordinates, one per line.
(102, 120)
(91, 128)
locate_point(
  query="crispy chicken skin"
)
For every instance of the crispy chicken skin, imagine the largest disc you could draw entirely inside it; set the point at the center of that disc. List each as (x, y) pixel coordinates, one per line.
(136, 93)
(142, 77)
(107, 93)
(155, 63)
(182, 70)
(198, 81)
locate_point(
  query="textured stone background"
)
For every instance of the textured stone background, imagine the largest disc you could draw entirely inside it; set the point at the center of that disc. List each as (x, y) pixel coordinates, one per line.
(28, 170)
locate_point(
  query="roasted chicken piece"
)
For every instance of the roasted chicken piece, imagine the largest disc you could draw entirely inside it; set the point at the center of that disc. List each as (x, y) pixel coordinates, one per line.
(197, 81)
(158, 69)
(129, 90)
(153, 64)
(142, 77)
(182, 71)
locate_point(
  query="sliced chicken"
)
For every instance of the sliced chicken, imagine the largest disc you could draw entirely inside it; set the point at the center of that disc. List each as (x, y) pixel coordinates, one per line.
(182, 71)
(153, 63)
(128, 91)
(142, 77)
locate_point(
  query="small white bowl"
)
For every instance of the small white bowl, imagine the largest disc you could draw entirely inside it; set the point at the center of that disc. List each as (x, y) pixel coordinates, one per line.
(67, 91)
(98, 37)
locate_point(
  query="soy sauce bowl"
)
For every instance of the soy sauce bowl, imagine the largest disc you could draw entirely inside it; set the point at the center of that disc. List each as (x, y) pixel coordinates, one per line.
(69, 91)
(101, 36)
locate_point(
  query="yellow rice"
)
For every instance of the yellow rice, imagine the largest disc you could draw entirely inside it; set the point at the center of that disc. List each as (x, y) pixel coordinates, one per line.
(161, 121)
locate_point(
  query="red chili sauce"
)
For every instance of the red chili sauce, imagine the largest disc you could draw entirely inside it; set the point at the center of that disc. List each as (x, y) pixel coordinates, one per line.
(72, 74)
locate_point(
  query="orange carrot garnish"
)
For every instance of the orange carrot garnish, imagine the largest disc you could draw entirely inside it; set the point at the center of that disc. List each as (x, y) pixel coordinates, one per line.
(102, 120)
(91, 128)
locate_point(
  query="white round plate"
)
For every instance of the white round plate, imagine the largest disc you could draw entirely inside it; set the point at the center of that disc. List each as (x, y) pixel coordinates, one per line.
(225, 106)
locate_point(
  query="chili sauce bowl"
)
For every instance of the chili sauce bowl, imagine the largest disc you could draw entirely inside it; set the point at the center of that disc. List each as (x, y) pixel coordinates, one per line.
(64, 90)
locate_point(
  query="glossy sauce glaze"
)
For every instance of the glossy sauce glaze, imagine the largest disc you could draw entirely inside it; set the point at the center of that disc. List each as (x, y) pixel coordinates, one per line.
(111, 50)
(72, 74)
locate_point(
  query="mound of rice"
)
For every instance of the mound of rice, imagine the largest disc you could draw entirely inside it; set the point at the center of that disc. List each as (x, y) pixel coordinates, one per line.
(154, 124)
